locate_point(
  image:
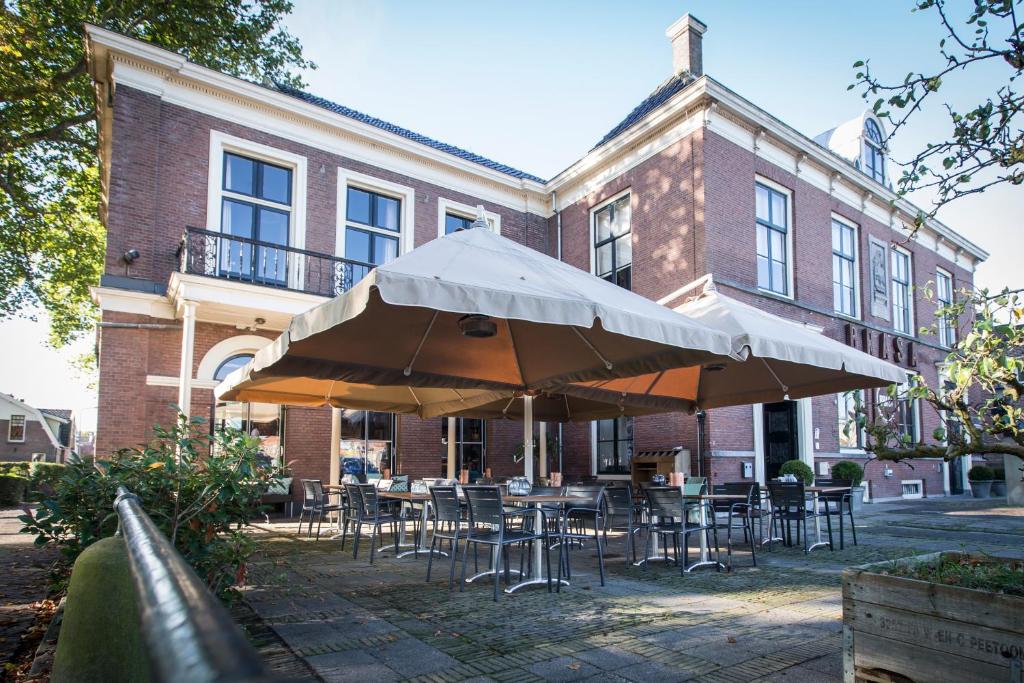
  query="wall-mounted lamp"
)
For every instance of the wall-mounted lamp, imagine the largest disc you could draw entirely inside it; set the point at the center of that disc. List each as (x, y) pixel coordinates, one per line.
(129, 257)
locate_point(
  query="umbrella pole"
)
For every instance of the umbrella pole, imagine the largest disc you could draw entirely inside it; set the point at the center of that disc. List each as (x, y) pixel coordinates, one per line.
(451, 448)
(528, 436)
(542, 462)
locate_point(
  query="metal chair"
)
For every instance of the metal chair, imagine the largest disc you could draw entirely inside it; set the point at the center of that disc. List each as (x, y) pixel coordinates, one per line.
(833, 504)
(670, 516)
(572, 530)
(741, 510)
(315, 502)
(368, 511)
(448, 526)
(620, 515)
(487, 526)
(790, 504)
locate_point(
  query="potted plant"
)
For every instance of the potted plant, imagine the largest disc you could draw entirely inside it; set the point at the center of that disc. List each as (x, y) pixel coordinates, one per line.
(946, 616)
(980, 478)
(798, 469)
(854, 473)
(999, 484)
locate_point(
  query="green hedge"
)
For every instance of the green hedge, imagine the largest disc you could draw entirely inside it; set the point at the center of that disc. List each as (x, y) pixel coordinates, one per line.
(980, 473)
(12, 489)
(20, 468)
(800, 469)
(43, 477)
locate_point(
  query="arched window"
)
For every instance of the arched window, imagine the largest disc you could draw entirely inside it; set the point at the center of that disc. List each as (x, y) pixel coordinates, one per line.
(229, 365)
(874, 157)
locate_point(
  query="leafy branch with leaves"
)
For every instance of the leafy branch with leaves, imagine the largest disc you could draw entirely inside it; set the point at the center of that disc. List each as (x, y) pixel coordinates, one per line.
(51, 237)
(985, 145)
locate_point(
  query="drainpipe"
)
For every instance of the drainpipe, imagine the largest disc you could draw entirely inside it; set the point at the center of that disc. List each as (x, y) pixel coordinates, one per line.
(188, 336)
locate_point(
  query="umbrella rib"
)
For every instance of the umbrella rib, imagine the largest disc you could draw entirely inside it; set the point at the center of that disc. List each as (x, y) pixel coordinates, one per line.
(785, 389)
(515, 352)
(415, 397)
(419, 347)
(607, 363)
(568, 413)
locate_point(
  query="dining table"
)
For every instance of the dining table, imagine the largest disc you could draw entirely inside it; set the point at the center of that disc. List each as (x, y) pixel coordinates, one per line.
(704, 557)
(816, 491)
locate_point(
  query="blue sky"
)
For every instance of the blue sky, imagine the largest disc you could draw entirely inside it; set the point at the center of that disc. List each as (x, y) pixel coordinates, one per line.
(535, 84)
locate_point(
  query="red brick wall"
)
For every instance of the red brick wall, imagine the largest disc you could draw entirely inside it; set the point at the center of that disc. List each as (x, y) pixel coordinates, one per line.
(36, 441)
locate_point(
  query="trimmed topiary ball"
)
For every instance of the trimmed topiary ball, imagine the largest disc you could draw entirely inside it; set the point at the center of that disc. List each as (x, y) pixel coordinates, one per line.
(848, 471)
(799, 469)
(980, 473)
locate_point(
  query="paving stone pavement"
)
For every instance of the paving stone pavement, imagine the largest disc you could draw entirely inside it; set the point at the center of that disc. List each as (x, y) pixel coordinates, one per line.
(780, 621)
(25, 570)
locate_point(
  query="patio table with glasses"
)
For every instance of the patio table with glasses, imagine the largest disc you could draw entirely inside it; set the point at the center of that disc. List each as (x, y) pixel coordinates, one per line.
(815, 492)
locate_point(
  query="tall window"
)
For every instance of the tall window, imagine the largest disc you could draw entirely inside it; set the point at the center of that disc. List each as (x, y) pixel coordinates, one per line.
(906, 411)
(614, 445)
(902, 316)
(874, 158)
(772, 239)
(469, 446)
(613, 242)
(264, 421)
(16, 429)
(367, 443)
(844, 268)
(850, 436)
(372, 228)
(454, 223)
(256, 205)
(943, 298)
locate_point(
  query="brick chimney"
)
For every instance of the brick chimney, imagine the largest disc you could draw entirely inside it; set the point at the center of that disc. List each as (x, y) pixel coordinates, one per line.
(685, 34)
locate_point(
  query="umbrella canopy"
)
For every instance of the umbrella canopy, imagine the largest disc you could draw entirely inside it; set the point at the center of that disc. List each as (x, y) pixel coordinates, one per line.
(784, 359)
(475, 310)
(428, 402)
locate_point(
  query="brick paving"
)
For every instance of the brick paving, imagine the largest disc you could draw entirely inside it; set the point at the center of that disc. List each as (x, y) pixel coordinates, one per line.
(778, 622)
(25, 570)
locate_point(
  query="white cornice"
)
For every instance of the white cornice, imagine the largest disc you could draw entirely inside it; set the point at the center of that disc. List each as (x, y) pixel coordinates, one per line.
(129, 301)
(114, 57)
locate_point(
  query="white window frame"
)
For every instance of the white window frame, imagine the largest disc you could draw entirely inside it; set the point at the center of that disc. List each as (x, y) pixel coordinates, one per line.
(221, 143)
(910, 290)
(859, 450)
(407, 218)
(869, 145)
(943, 273)
(790, 266)
(593, 456)
(857, 307)
(881, 396)
(446, 206)
(594, 210)
(24, 428)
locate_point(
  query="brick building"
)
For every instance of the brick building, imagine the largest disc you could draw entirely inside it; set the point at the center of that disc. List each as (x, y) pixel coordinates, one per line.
(231, 207)
(34, 434)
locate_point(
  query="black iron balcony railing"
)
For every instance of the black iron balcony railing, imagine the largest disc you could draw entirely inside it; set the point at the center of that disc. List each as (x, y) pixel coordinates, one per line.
(216, 254)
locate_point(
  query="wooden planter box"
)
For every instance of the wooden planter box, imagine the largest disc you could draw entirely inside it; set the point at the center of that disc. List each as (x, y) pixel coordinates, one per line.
(922, 631)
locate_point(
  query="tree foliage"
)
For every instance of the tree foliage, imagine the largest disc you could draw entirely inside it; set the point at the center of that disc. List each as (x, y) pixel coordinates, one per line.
(51, 239)
(980, 395)
(197, 488)
(985, 144)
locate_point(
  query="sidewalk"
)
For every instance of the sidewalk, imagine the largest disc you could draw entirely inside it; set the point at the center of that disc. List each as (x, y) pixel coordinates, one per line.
(25, 571)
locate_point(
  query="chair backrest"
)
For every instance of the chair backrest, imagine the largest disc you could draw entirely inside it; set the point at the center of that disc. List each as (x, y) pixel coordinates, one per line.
(665, 502)
(485, 506)
(308, 492)
(590, 495)
(546, 490)
(618, 501)
(446, 503)
(355, 497)
(695, 486)
(787, 495)
(837, 495)
(370, 501)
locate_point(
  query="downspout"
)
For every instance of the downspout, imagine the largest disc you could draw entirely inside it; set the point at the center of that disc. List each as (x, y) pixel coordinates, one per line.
(558, 255)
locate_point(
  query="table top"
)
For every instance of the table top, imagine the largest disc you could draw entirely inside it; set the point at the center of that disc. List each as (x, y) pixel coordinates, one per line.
(407, 495)
(826, 489)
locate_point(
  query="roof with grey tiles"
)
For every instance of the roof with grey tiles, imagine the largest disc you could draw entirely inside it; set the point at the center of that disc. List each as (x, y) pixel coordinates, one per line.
(662, 94)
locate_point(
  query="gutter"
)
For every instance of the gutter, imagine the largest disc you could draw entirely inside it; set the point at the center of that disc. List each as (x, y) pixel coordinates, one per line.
(138, 326)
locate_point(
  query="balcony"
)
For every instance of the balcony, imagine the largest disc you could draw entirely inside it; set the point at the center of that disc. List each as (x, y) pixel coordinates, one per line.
(240, 259)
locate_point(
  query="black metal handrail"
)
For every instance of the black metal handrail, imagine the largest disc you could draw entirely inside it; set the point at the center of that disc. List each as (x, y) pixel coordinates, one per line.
(189, 634)
(220, 255)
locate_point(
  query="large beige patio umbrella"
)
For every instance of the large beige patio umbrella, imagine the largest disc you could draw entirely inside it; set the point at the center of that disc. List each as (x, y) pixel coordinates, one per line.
(783, 360)
(475, 311)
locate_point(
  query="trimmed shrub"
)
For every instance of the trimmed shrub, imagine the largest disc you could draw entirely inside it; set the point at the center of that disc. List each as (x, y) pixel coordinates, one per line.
(800, 469)
(12, 489)
(19, 468)
(998, 475)
(848, 471)
(980, 473)
(43, 478)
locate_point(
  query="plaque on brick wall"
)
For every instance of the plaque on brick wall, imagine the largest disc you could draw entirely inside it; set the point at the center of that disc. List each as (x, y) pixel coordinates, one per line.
(878, 262)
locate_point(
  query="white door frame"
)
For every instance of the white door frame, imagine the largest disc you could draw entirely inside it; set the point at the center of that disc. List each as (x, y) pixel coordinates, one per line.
(805, 435)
